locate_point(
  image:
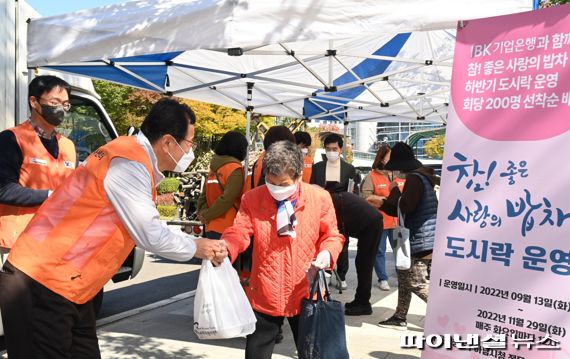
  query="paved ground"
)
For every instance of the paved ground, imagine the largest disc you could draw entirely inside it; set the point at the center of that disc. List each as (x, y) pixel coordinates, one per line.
(166, 331)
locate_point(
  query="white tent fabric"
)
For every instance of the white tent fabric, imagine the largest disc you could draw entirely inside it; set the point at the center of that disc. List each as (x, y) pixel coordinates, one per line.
(337, 59)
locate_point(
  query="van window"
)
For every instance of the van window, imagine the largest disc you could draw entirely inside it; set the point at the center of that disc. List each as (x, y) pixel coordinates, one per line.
(85, 126)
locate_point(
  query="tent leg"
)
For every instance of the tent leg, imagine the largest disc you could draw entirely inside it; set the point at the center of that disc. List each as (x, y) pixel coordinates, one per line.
(248, 116)
(248, 137)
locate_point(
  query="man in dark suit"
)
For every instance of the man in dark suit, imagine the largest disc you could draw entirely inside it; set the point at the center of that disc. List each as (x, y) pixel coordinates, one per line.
(334, 175)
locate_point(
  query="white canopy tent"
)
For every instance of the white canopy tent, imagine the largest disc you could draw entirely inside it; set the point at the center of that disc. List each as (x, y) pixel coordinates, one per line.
(344, 60)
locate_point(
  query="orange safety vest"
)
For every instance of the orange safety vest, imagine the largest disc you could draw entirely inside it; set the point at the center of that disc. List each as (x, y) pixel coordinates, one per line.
(252, 180)
(307, 169)
(382, 188)
(76, 242)
(39, 171)
(215, 185)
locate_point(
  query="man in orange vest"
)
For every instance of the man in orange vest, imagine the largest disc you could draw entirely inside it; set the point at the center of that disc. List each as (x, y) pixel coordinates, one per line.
(83, 233)
(304, 141)
(35, 157)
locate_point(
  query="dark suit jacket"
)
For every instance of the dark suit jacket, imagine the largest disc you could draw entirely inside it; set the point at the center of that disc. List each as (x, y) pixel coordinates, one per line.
(347, 172)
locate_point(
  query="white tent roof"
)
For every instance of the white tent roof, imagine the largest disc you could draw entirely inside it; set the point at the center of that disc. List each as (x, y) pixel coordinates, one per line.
(333, 59)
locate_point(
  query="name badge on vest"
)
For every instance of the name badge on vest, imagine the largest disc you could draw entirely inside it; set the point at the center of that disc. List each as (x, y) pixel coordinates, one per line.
(38, 161)
(382, 185)
(69, 164)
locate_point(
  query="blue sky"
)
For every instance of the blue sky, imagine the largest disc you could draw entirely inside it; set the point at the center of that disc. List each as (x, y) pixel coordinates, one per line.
(57, 7)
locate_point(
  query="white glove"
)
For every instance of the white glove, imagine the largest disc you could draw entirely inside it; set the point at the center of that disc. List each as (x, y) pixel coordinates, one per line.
(323, 260)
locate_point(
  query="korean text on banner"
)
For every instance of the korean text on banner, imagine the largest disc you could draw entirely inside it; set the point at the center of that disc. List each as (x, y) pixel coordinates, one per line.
(501, 267)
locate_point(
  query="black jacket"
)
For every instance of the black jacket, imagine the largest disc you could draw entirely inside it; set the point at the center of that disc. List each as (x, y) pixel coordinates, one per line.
(347, 172)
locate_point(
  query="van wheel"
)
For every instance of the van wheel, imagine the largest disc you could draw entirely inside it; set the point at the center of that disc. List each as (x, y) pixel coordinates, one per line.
(97, 302)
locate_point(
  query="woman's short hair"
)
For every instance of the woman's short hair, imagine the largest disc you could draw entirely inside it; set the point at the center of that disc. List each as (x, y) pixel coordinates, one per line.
(283, 157)
(377, 164)
(232, 144)
(277, 133)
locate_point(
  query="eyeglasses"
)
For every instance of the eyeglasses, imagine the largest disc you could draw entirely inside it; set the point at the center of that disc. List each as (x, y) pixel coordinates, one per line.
(66, 105)
(192, 144)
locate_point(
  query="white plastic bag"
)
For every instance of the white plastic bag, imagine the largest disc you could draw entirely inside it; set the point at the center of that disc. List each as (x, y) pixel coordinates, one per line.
(221, 308)
(402, 236)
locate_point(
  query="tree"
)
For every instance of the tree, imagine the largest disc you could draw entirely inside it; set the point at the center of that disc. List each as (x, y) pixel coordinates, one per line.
(549, 3)
(434, 147)
(128, 107)
(115, 99)
(213, 121)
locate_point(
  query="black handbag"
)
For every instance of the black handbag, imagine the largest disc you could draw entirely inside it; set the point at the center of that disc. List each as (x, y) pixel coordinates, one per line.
(322, 333)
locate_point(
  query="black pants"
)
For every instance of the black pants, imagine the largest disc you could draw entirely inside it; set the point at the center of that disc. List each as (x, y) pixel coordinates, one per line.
(39, 323)
(260, 344)
(356, 218)
(364, 262)
(342, 263)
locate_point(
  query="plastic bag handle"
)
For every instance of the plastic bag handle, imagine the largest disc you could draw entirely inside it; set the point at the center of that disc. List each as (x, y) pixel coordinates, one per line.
(400, 215)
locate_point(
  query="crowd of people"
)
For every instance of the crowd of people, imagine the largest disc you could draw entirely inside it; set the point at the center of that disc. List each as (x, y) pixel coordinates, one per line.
(274, 223)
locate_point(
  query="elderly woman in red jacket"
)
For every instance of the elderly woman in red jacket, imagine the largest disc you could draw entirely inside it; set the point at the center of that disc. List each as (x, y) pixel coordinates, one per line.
(294, 226)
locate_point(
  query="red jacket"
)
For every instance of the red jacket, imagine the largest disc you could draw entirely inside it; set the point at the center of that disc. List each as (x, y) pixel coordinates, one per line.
(278, 280)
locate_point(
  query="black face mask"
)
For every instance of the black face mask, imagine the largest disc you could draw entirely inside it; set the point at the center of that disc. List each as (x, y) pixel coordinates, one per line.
(53, 114)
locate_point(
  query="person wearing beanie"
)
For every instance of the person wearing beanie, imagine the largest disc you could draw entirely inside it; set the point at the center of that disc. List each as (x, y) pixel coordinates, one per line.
(418, 204)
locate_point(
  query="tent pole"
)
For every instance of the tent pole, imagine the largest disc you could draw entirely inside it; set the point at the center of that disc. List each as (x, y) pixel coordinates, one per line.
(249, 109)
(331, 75)
(345, 130)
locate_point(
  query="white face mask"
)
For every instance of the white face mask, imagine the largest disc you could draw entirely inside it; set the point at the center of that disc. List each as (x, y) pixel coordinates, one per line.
(184, 161)
(281, 193)
(305, 151)
(333, 156)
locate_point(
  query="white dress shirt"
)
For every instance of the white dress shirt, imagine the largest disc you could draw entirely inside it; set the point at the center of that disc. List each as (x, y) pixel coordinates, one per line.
(129, 188)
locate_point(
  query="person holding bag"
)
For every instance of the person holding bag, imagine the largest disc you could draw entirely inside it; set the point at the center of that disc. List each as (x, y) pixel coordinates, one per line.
(321, 326)
(294, 226)
(418, 203)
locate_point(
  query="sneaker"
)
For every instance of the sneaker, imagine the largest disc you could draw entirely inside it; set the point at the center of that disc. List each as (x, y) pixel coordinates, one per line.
(394, 323)
(384, 285)
(353, 308)
(343, 285)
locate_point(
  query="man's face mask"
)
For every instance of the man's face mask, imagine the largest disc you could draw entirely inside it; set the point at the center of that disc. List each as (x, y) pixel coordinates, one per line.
(332, 156)
(53, 115)
(184, 162)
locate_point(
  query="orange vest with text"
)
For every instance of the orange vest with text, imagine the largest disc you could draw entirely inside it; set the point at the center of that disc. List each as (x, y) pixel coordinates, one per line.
(215, 185)
(382, 188)
(307, 169)
(77, 242)
(39, 171)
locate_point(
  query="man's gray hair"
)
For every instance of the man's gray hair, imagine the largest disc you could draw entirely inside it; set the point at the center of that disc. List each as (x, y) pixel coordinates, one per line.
(283, 157)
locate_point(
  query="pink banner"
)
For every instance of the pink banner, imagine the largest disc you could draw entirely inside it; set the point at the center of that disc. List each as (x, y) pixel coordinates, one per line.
(501, 267)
